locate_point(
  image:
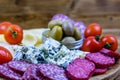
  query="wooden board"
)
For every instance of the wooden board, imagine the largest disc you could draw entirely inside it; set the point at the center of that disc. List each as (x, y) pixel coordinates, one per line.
(36, 14)
(111, 74)
(114, 72)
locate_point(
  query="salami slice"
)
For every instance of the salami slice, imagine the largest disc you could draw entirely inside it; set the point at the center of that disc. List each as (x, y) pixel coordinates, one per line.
(100, 70)
(80, 69)
(100, 60)
(52, 72)
(7, 73)
(110, 53)
(31, 73)
(18, 66)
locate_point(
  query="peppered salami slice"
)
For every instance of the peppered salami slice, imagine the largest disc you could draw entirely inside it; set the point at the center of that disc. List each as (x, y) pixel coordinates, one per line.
(100, 60)
(9, 74)
(110, 53)
(100, 70)
(31, 73)
(18, 66)
(52, 72)
(80, 69)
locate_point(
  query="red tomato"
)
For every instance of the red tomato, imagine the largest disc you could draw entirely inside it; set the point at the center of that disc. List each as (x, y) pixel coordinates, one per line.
(110, 42)
(14, 34)
(93, 29)
(4, 26)
(5, 55)
(91, 44)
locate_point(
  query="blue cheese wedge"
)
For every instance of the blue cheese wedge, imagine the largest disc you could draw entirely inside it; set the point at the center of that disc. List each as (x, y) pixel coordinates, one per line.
(30, 54)
(50, 52)
(64, 56)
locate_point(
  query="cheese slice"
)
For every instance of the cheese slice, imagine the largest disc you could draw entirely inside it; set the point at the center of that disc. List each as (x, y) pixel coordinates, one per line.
(33, 36)
(29, 39)
(2, 39)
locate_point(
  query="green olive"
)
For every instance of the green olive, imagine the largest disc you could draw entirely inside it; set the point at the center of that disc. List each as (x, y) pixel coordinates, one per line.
(67, 40)
(77, 34)
(56, 33)
(68, 28)
(53, 23)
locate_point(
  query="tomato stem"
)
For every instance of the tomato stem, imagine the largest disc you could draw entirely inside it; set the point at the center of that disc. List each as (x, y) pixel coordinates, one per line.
(97, 37)
(108, 45)
(14, 33)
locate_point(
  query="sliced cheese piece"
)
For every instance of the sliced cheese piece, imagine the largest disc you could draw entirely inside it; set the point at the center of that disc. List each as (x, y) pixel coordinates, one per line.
(39, 40)
(36, 35)
(29, 39)
(2, 39)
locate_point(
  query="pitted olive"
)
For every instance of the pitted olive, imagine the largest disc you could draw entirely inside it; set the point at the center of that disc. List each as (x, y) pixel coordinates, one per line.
(68, 28)
(77, 34)
(53, 23)
(67, 40)
(56, 33)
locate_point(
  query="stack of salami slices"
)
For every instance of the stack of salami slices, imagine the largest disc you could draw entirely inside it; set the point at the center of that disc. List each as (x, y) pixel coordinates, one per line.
(21, 70)
(79, 69)
(93, 64)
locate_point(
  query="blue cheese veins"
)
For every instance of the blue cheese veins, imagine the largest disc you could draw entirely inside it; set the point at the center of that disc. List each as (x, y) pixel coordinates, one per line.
(50, 52)
(30, 54)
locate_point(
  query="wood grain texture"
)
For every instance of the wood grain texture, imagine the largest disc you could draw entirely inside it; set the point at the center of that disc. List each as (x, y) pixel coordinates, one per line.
(111, 74)
(30, 13)
(35, 14)
(97, 7)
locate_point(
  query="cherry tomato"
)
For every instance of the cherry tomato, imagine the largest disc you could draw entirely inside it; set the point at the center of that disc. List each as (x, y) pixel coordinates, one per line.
(4, 26)
(91, 44)
(109, 41)
(14, 34)
(5, 55)
(93, 29)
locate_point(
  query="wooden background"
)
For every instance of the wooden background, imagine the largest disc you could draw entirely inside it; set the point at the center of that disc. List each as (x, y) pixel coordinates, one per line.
(37, 13)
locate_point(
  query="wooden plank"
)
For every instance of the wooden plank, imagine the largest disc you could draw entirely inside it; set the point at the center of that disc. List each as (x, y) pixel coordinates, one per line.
(33, 14)
(96, 7)
(12, 6)
(104, 12)
(36, 20)
(28, 20)
(111, 74)
(48, 5)
(105, 21)
(30, 13)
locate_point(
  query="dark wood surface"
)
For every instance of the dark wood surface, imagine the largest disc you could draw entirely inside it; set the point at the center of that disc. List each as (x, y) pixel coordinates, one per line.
(34, 14)
(112, 74)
